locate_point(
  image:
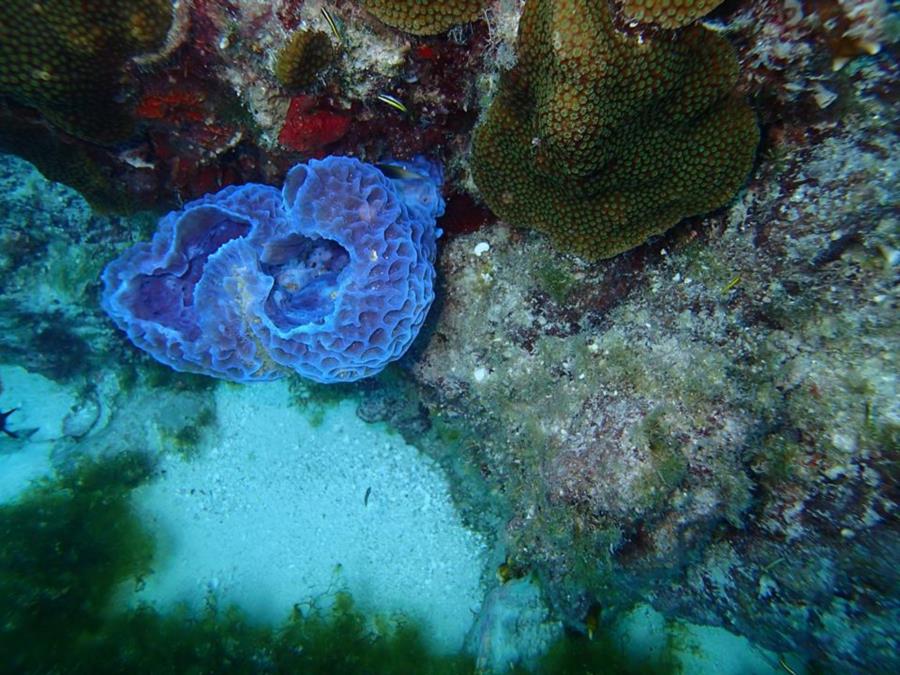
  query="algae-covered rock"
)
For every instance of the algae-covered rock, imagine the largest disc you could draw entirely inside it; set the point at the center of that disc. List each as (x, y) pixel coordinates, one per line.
(712, 420)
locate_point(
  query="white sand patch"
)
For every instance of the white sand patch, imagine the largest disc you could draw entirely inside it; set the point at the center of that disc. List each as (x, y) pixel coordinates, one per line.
(275, 513)
(42, 406)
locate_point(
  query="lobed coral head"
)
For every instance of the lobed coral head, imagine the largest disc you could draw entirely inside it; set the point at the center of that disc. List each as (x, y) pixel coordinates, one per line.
(330, 277)
(69, 59)
(602, 139)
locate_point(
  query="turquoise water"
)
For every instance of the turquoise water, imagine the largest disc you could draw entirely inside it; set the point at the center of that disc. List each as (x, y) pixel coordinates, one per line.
(681, 459)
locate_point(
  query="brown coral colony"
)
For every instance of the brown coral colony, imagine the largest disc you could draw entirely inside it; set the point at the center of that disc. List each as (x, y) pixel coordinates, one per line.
(602, 139)
(67, 59)
(425, 17)
(667, 13)
(301, 60)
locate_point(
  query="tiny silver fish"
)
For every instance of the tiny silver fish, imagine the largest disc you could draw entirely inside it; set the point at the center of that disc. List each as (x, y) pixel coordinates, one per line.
(332, 25)
(397, 172)
(395, 103)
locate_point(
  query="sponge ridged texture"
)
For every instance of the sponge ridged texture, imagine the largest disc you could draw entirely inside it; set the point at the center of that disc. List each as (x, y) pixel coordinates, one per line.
(68, 59)
(425, 17)
(602, 140)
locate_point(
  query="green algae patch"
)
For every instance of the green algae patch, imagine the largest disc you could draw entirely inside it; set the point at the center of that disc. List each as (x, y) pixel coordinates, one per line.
(185, 436)
(64, 547)
(666, 466)
(69, 543)
(555, 280)
(157, 375)
(317, 399)
(338, 640)
(601, 654)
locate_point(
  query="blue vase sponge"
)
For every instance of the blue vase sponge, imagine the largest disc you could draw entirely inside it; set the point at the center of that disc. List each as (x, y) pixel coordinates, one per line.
(331, 277)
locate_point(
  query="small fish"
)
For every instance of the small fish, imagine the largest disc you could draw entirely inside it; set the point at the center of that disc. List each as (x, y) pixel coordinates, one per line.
(3, 417)
(772, 565)
(366, 498)
(508, 570)
(783, 664)
(395, 103)
(397, 172)
(592, 620)
(731, 284)
(332, 25)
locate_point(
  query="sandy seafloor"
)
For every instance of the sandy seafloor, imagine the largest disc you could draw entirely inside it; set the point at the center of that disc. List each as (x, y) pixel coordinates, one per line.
(272, 511)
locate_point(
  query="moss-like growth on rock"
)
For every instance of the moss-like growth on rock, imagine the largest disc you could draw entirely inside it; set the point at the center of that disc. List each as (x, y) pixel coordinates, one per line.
(603, 139)
(306, 54)
(158, 375)
(425, 17)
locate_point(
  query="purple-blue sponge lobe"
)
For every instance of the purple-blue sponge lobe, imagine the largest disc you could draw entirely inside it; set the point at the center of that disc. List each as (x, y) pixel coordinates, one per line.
(330, 277)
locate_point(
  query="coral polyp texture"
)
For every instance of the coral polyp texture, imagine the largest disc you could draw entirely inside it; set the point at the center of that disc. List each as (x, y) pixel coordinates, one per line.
(425, 17)
(602, 139)
(330, 277)
(306, 54)
(68, 59)
(667, 13)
